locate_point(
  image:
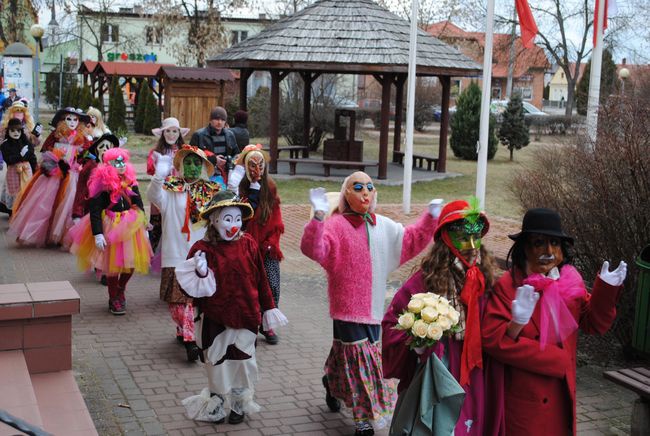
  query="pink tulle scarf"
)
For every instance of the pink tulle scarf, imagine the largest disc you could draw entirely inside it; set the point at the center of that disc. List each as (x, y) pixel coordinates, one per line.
(557, 321)
(106, 178)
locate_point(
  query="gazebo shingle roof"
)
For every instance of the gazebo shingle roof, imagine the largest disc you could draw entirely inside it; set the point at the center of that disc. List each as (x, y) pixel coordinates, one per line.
(350, 35)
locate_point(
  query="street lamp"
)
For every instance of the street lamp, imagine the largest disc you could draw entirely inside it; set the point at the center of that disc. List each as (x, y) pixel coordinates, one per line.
(623, 74)
(37, 32)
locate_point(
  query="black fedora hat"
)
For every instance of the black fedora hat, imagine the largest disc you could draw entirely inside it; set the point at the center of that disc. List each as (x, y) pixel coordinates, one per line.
(544, 222)
(61, 113)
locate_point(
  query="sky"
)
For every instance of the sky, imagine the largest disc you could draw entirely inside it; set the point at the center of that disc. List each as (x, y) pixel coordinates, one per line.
(631, 42)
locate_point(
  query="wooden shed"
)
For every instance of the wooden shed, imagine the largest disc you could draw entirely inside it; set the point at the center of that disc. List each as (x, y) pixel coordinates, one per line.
(190, 93)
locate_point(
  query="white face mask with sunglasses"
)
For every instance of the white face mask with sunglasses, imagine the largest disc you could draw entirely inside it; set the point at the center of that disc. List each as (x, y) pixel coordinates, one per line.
(360, 193)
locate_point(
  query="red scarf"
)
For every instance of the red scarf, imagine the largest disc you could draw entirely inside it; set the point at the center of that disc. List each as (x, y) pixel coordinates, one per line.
(473, 289)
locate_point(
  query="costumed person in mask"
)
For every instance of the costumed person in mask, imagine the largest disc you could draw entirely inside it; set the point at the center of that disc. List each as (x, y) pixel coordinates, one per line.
(96, 117)
(179, 200)
(224, 274)
(170, 139)
(266, 226)
(459, 268)
(112, 238)
(18, 154)
(531, 325)
(358, 250)
(42, 212)
(19, 110)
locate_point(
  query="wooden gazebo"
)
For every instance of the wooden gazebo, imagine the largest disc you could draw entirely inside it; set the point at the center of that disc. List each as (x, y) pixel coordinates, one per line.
(346, 37)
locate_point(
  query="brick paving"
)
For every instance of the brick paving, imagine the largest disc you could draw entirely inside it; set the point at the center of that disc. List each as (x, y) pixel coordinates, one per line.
(133, 374)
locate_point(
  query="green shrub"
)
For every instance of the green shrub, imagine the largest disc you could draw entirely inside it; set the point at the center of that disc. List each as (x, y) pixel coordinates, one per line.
(513, 132)
(116, 107)
(143, 96)
(465, 125)
(259, 107)
(151, 114)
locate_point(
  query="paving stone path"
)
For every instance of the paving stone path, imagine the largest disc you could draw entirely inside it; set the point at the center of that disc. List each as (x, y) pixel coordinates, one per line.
(134, 375)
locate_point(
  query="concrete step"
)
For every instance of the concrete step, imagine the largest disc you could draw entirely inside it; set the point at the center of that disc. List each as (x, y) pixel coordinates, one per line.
(61, 405)
(18, 397)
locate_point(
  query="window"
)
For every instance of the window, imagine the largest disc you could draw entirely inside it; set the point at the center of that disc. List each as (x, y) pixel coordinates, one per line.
(153, 35)
(110, 32)
(455, 87)
(237, 36)
(496, 93)
(525, 92)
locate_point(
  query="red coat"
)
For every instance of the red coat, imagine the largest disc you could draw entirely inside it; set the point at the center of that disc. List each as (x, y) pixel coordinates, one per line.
(243, 291)
(80, 206)
(268, 234)
(540, 386)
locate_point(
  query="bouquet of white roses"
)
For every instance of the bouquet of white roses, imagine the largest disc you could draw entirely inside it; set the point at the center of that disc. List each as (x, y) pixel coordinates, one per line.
(428, 317)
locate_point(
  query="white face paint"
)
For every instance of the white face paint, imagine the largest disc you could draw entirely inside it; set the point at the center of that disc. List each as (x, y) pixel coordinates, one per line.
(15, 133)
(102, 147)
(227, 222)
(72, 121)
(171, 135)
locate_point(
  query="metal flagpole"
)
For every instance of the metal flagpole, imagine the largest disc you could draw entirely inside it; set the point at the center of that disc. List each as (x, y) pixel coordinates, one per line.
(410, 109)
(594, 78)
(481, 167)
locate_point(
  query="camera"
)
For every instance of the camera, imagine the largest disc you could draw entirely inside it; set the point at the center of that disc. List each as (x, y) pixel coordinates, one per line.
(230, 162)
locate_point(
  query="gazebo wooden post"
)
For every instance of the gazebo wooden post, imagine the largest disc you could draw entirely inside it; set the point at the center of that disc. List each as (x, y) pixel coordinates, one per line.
(387, 81)
(307, 79)
(399, 103)
(276, 78)
(444, 124)
(244, 74)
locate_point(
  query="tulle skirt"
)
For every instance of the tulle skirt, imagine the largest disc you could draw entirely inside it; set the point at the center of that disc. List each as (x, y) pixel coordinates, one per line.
(127, 246)
(62, 219)
(33, 210)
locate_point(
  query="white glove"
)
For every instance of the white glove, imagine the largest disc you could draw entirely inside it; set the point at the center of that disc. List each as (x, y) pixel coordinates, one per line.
(163, 165)
(255, 186)
(616, 277)
(235, 177)
(318, 200)
(75, 220)
(200, 263)
(100, 242)
(524, 304)
(24, 150)
(435, 207)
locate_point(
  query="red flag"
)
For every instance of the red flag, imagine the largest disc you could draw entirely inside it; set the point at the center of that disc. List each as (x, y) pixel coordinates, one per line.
(526, 23)
(610, 9)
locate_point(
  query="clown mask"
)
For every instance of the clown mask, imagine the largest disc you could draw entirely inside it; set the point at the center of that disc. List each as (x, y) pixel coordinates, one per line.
(227, 221)
(72, 121)
(360, 192)
(171, 135)
(102, 147)
(543, 253)
(14, 133)
(192, 166)
(255, 165)
(119, 164)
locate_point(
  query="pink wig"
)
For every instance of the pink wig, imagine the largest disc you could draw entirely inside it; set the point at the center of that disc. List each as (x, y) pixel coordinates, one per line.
(106, 178)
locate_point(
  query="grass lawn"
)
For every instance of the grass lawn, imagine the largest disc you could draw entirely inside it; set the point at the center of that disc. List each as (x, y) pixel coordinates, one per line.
(499, 201)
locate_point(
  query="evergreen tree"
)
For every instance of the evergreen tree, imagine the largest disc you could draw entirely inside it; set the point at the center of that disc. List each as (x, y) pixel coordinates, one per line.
(151, 115)
(143, 96)
(258, 113)
(465, 125)
(513, 132)
(85, 98)
(608, 82)
(52, 83)
(116, 107)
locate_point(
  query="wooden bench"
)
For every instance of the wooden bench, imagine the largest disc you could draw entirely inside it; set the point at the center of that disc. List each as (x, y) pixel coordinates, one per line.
(294, 150)
(418, 160)
(327, 164)
(637, 380)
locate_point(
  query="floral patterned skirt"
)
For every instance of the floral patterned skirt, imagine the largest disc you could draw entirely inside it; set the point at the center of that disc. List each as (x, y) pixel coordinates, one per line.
(355, 376)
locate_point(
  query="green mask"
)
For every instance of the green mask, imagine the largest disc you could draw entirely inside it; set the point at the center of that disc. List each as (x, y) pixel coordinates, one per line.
(466, 234)
(192, 166)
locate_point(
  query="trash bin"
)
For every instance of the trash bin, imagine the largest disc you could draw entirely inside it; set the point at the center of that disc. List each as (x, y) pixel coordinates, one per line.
(641, 334)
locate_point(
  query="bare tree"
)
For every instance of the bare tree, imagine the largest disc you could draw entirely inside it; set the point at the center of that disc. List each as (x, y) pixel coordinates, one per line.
(281, 8)
(13, 15)
(199, 20)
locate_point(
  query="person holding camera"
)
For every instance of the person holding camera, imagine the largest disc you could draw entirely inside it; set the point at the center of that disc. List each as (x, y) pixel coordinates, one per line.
(217, 139)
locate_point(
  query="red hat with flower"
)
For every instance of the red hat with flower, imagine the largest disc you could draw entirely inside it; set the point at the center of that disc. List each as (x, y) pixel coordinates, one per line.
(458, 210)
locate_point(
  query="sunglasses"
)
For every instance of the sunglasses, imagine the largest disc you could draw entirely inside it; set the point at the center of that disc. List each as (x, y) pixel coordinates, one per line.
(358, 187)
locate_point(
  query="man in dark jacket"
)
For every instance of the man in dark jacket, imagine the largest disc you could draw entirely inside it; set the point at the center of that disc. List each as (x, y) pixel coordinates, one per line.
(217, 138)
(240, 130)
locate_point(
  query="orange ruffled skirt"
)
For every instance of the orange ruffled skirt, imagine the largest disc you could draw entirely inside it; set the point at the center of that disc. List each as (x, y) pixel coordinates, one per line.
(127, 244)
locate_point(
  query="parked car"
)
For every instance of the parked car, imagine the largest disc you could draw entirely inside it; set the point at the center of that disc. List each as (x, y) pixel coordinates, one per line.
(344, 103)
(497, 107)
(437, 113)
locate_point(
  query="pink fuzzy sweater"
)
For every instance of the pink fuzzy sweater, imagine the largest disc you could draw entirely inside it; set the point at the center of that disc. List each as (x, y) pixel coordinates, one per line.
(356, 270)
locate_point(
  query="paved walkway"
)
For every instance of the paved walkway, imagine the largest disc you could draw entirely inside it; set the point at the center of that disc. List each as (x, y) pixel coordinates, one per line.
(134, 375)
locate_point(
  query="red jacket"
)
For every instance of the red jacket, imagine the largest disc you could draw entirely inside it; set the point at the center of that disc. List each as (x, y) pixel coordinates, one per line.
(268, 234)
(540, 386)
(243, 291)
